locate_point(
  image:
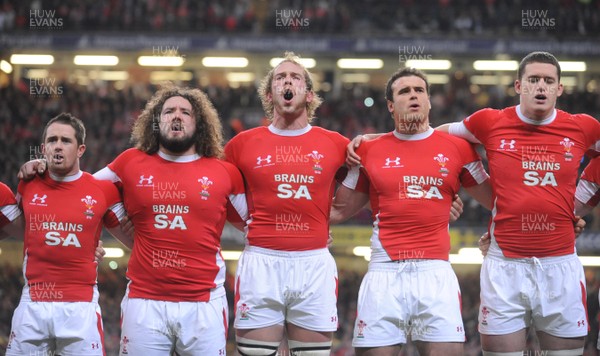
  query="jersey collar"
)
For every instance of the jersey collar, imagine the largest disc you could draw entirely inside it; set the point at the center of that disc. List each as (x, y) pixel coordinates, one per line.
(179, 159)
(546, 121)
(281, 132)
(415, 137)
(71, 178)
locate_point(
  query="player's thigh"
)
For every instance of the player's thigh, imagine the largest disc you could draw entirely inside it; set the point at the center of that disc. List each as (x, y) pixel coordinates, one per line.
(30, 330)
(505, 286)
(298, 333)
(203, 328)
(145, 328)
(258, 293)
(512, 342)
(378, 351)
(312, 296)
(440, 348)
(550, 342)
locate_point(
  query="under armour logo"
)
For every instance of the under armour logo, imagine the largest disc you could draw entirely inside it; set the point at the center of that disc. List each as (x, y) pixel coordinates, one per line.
(259, 160)
(511, 144)
(95, 345)
(147, 180)
(581, 323)
(42, 199)
(389, 161)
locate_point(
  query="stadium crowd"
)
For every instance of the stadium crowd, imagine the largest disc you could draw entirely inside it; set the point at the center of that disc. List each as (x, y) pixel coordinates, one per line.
(560, 18)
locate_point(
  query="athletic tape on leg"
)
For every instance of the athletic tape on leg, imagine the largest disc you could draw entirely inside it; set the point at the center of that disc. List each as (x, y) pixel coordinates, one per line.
(299, 348)
(248, 347)
(573, 352)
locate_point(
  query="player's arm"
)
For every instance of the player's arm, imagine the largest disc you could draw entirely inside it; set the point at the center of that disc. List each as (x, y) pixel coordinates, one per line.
(482, 193)
(16, 228)
(352, 159)
(458, 129)
(113, 221)
(346, 203)
(582, 209)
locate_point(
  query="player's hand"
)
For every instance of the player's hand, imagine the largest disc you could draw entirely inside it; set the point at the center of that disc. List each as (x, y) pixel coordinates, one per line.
(31, 168)
(127, 227)
(484, 243)
(456, 209)
(579, 226)
(99, 254)
(330, 239)
(352, 159)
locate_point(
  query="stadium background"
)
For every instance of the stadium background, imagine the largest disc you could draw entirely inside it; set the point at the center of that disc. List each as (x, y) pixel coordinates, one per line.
(109, 97)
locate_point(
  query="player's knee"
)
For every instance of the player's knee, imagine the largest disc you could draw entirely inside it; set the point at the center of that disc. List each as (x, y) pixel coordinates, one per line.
(492, 353)
(248, 347)
(572, 352)
(299, 348)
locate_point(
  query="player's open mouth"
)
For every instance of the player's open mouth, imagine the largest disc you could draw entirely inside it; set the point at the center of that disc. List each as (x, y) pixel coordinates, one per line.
(414, 106)
(57, 158)
(540, 97)
(176, 126)
(288, 95)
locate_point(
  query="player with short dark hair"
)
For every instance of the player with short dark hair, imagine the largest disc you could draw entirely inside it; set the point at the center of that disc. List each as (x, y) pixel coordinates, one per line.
(63, 214)
(413, 172)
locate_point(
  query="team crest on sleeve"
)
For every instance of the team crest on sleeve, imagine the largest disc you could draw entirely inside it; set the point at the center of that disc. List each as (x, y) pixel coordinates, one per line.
(507, 145)
(264, 161)
(442, 160)
(146, 181)
(392, 162)
(39, 200)
(567, 144)
(89, 204)
(205, 183)
(316, 157)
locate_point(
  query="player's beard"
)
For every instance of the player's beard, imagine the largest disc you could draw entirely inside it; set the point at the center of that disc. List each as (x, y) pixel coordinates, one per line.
(177, 145)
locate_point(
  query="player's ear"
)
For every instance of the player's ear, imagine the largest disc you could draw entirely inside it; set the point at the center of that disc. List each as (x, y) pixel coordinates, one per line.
(80, 151)
(518, 86)
(560, 89)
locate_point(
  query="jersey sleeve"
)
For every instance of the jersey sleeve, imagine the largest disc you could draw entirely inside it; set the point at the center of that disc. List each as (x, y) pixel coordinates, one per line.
(591, 129)
(116, 210)
(230, 150)
(237, 207)
(480, 122)
(473, 173)
(356, 179)
(588, 188)
(118, 166)
(9, 210)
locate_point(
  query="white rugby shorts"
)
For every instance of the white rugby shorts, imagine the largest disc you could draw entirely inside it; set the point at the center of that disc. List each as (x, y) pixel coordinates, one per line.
(299, 287)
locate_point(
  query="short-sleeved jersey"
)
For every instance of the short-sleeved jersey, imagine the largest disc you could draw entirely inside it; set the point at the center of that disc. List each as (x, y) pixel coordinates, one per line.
(290, 181)
(178, 207)
(411, 182)
(533, 168)
(588, 188)
(9, 209)
(63, 222)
